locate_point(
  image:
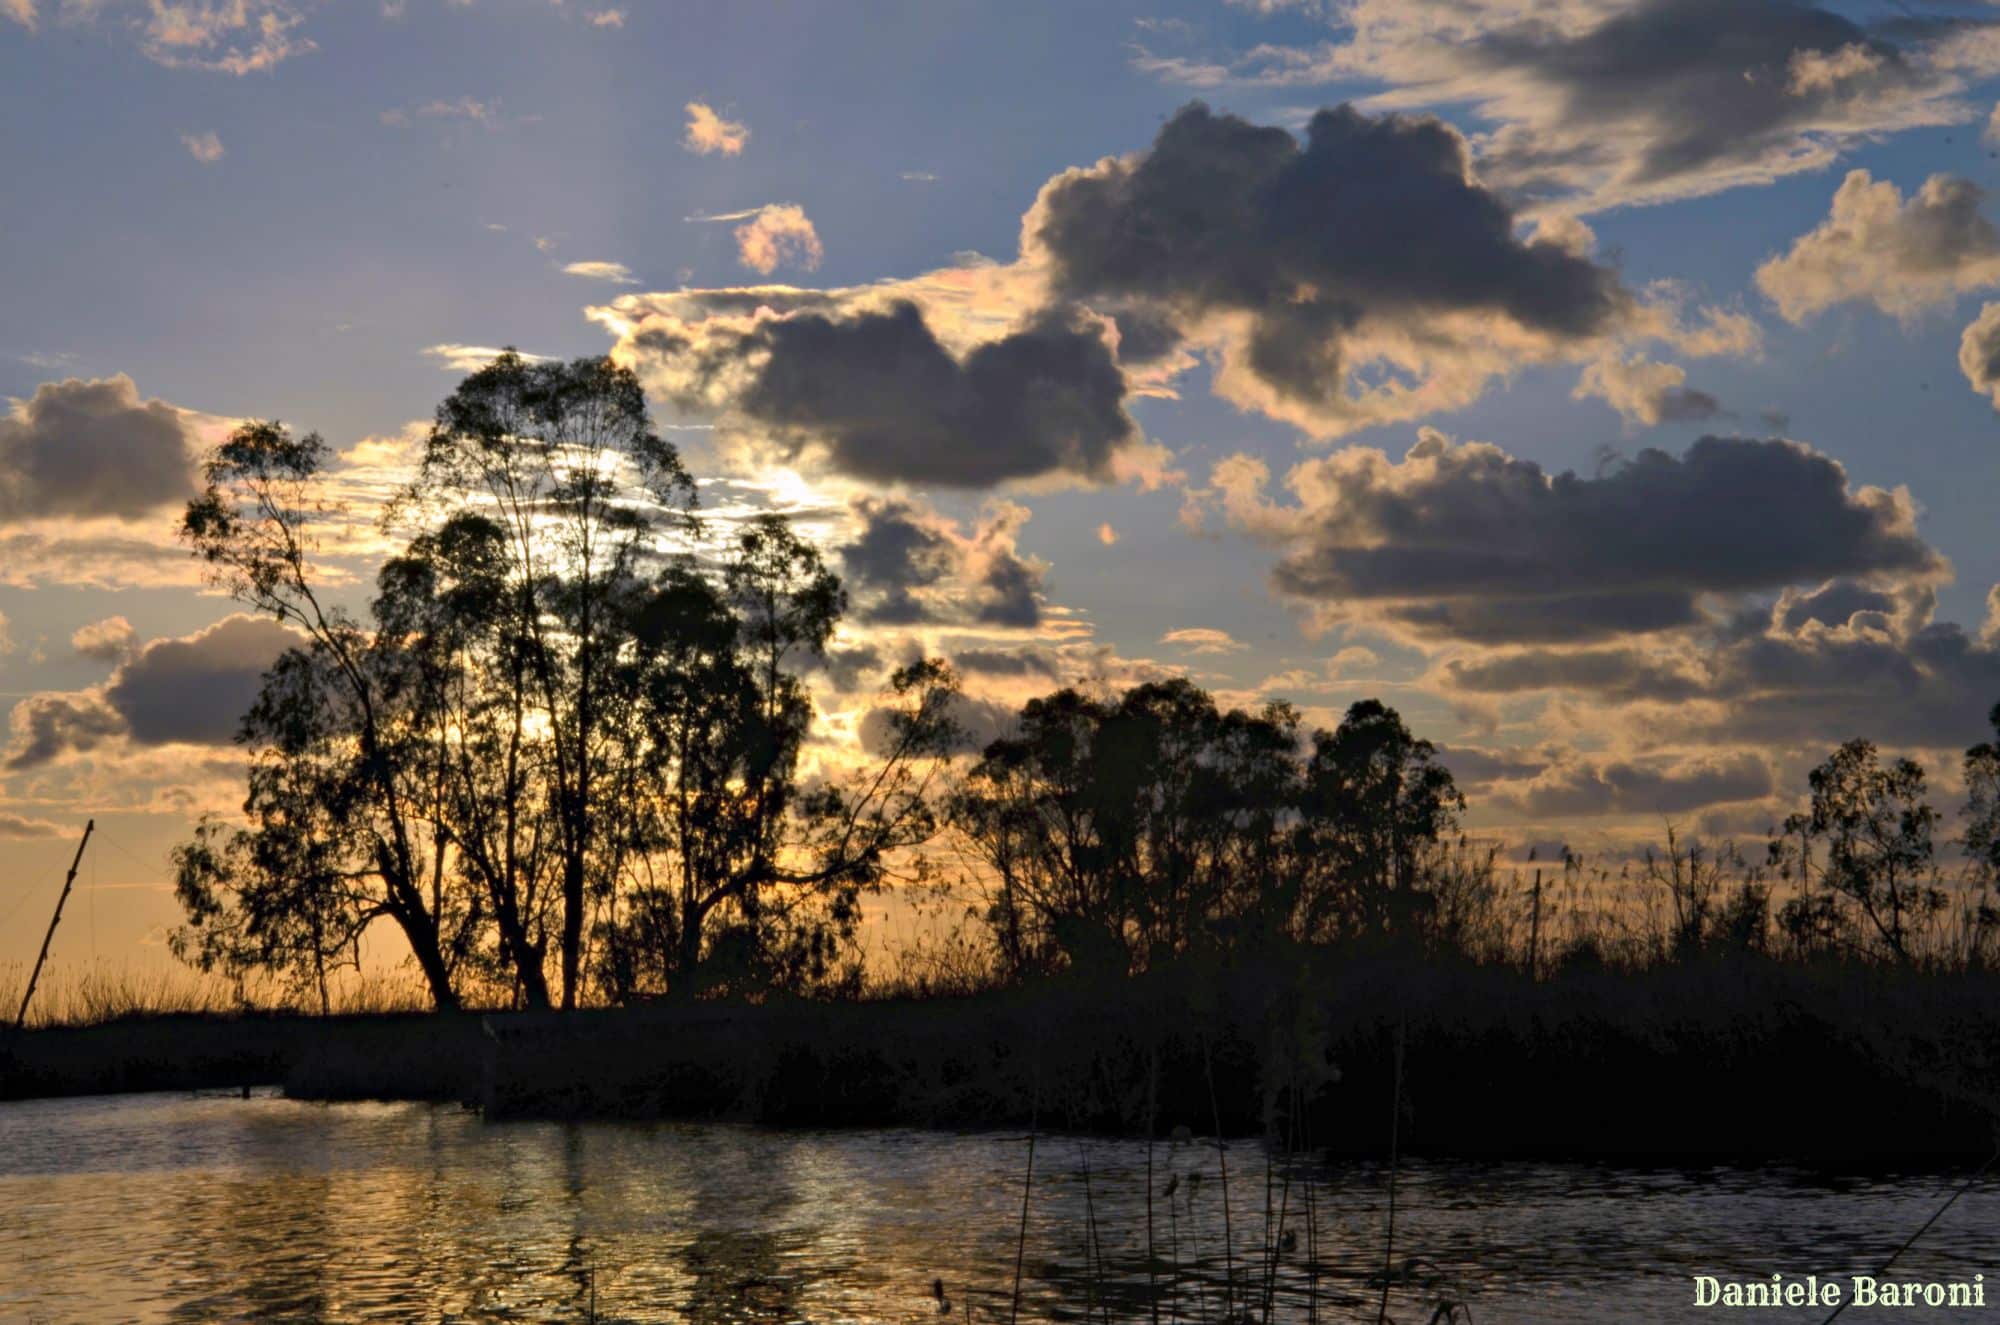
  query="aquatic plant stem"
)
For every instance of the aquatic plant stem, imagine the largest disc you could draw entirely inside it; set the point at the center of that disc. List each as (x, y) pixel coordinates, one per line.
(1222, 1169)
(1395, 1120)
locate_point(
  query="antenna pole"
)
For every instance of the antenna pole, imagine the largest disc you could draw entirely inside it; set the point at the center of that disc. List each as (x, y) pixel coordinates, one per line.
(21, 1018)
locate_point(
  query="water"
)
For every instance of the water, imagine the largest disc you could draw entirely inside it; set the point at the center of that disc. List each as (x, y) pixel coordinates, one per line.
(175, 1208)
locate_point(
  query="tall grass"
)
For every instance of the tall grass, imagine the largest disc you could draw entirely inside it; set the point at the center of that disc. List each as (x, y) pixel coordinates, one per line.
(89, 993)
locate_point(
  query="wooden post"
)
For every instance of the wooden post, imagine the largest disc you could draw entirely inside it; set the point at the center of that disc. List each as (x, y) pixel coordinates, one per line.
(21, 1018)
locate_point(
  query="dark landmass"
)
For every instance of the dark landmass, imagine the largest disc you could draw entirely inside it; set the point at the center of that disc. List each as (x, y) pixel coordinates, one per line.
(1738, 1059)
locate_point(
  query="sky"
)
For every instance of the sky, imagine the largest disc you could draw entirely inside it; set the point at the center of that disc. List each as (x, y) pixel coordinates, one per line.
(1608, 385)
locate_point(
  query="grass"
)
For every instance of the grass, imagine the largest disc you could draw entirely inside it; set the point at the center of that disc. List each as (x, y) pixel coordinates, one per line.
(91, 993)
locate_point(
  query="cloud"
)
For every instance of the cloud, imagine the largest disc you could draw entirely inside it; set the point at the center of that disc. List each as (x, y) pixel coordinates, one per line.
(607, 18)
(1368, 247)
(471, 358)
(708, 133)
(1582, 786)
(21, 11)
(203, 147)
(109, 640)
(1644, 391)
(1979, 353)
(1201, 639)
(877, 397)
(1107, 535)
(1463, 542)
(193, 689)
(92, 448)
(779, 234)
(220, 36)
(14, 826)
(1875, 248)
(1360, 277)
(1819, 666)
(6, 638)
(617, 273)
(908, 565)
(457, 108)
(1602, 103)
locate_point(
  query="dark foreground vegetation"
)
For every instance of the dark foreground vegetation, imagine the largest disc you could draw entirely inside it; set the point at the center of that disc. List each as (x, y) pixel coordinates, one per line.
(569, 757)
(1742, 1058)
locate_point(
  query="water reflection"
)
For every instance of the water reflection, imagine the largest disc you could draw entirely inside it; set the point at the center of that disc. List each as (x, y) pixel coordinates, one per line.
(171, 1208)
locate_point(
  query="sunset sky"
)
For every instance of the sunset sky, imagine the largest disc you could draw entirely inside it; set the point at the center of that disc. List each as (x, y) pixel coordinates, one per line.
(1608, 385)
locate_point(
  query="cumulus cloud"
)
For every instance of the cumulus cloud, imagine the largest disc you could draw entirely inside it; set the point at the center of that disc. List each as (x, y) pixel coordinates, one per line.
(1979, 353)
(778, 234)
(878, 397)
(1463, 542)
(192, 689)
(203, 147)
(607, 18)
(908, 565)
(21, 11)
(617, 273)
(1358, 277)
(1874, 247)
(1645, 391)
(1369, 245)
(467, 108)
(1603, 103)
(109, 640)
(93, 448)
(708, 133)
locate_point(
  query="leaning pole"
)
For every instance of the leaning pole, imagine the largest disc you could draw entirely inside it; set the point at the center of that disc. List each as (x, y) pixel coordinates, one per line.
(21, 1018)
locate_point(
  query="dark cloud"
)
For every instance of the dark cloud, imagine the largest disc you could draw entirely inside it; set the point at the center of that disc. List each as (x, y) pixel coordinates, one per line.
(193, 689)
(1370, 223)
(15, 826)
(1602, 103)
(910, 566)
(980, 723)
(84, 448)
(889, 403)
(1471, 766)
(1007, 662)
(1463, 541)
(197, 688)
(1632, 787)
(1819, 668)
(897, 551)
(47, 725)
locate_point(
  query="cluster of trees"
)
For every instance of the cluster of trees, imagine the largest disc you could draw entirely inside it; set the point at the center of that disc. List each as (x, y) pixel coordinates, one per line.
(563, 752)
(554, 752)
(1122, 834)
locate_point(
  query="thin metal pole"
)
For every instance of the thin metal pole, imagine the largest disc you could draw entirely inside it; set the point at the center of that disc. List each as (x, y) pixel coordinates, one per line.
(21, 1018)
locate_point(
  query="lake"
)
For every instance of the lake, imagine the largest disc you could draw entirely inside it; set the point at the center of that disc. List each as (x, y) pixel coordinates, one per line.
(181, 1208)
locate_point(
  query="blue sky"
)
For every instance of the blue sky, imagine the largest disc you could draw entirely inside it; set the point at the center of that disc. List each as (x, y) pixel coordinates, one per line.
(296, 239)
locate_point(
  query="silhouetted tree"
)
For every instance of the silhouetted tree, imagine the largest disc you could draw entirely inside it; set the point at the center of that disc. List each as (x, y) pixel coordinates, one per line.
(1982, 803)
(1869, 830)
(751, 880)
(339, 837)
(1375, 808)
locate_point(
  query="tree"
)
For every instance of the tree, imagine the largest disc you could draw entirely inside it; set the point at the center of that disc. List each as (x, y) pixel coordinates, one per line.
(751, 879)
(1376, 805)
(339, 838)
(1120, 835)
(1871, 829)
(1982, 803)
(564, 459)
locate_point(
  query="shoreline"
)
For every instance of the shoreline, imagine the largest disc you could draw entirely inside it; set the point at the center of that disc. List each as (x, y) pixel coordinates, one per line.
(1740, 1063)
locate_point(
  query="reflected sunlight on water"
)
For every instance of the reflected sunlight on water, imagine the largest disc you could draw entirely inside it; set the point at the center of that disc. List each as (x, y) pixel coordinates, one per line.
(174, 1208)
